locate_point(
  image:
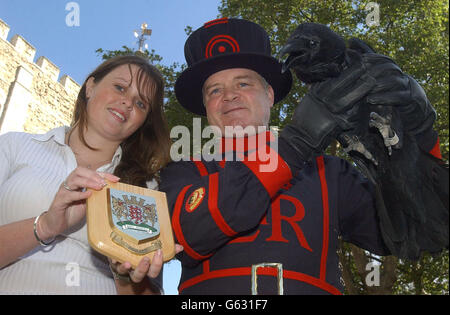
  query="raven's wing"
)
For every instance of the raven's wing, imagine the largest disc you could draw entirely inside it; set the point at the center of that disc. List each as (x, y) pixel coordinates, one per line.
(412, 202)
(411, 189)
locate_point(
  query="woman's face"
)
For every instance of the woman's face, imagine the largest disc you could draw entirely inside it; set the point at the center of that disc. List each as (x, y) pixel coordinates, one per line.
(114, 109)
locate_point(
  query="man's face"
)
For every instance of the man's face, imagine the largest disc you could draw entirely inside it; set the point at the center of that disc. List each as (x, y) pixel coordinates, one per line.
(237, 97)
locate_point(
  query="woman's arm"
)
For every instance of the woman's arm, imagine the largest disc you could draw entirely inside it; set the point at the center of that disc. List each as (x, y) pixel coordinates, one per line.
(17, 239)
(66, 210)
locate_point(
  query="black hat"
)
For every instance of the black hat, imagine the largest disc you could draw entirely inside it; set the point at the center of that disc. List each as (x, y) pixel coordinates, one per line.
(223, 44)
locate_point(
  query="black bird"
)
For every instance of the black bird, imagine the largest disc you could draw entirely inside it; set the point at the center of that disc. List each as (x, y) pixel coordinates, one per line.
(412, 213)
(316, 53)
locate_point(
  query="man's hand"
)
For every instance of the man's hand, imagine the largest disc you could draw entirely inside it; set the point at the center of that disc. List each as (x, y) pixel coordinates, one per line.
(327, 110)
(142, 279)
(402, 92)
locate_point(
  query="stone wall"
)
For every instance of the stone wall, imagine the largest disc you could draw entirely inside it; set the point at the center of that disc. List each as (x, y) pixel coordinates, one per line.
(32, 99)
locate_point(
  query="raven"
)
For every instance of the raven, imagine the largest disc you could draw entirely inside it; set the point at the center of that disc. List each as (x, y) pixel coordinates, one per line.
(316, 53)
(411, 187)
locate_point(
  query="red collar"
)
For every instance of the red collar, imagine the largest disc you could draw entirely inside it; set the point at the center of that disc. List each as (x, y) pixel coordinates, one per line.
(245, 144)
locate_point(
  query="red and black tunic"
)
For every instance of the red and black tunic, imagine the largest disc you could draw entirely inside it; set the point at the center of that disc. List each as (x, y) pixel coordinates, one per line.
(230, 215)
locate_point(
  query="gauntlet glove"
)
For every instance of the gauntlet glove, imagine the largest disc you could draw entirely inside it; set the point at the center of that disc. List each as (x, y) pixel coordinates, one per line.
(327, 110)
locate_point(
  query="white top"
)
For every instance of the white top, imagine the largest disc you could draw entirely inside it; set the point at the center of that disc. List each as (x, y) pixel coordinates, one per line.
(32, 167)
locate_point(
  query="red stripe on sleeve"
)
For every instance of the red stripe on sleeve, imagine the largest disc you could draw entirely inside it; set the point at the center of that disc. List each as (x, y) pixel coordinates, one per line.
(213, 197)
(271, 170)
(177, 227)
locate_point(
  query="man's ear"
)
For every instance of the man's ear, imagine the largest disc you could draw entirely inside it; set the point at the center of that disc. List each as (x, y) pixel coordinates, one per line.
(89, 87)
(270, 94)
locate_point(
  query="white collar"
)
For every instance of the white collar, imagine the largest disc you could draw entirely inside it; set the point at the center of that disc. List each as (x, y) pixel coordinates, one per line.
(59, 136)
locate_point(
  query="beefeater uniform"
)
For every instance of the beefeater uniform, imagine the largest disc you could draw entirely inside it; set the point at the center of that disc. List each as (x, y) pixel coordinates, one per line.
(245, 228)
(230, 216)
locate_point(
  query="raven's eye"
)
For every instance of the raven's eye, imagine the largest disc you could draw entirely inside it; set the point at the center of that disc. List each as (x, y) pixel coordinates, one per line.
(313, 43)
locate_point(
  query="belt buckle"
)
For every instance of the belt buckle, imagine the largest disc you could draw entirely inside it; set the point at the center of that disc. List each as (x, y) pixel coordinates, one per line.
(279, 267)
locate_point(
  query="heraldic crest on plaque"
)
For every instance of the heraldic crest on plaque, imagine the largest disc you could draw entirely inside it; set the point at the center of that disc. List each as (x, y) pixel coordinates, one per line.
(127, 222)
(135, 220)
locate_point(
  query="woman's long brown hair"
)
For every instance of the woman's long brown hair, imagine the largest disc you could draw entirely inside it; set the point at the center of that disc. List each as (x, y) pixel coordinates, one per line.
(147, 150)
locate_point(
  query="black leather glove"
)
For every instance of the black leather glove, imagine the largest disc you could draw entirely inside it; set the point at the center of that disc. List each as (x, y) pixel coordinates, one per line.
(417, 113)
(402, 92)
(326, 111)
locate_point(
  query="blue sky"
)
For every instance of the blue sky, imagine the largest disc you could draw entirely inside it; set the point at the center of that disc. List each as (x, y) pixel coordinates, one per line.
(107, 24)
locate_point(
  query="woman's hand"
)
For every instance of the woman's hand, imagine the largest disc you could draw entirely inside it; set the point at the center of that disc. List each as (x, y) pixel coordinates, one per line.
(69, 205)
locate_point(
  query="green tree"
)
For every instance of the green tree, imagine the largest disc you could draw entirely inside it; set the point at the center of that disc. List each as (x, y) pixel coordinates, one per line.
(415, 35)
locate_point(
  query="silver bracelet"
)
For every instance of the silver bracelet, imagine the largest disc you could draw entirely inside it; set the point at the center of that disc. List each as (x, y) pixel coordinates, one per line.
(35, 232)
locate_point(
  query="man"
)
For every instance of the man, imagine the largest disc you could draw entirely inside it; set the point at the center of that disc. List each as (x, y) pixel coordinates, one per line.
(245, 229)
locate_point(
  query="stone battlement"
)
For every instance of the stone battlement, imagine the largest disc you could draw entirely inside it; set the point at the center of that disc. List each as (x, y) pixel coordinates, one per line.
(32, 99)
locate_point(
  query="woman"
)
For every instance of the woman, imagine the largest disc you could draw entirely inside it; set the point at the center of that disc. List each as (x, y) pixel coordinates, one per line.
(118, 128)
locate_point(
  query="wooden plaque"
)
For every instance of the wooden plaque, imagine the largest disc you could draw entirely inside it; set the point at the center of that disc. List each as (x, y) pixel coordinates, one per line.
(127, 222)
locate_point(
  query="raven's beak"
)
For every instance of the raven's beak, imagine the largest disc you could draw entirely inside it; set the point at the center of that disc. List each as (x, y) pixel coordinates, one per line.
(298, 52)
(286, 49)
